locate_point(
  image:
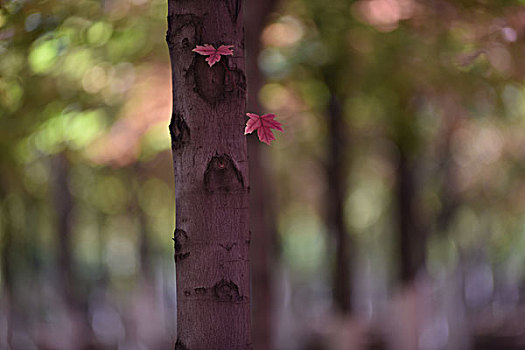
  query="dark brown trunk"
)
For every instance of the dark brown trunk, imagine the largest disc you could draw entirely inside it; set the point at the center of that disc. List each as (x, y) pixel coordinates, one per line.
(7, 275)
(412, 240)
(261, 215)
(211, 177)
(336, 178)
(63, 203)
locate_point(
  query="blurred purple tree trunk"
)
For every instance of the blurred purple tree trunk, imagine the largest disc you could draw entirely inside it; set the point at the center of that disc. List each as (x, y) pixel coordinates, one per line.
(449, 193)
(144, 239)
(68, 281)
(211, 177)
(262, 229)
(63, 203)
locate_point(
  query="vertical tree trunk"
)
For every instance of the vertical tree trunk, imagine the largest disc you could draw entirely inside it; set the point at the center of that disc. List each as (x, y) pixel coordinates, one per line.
(336, 177)
(211, 177)
(6, 250)
(63, 203)
(261, 215)
(449, 193)
(144, 239)
(412, 237)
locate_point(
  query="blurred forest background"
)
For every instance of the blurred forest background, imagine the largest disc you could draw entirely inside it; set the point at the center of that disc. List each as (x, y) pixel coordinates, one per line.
(393, 202)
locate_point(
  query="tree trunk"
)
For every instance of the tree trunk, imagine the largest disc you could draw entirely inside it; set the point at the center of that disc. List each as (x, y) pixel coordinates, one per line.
(6, 250)
(336, 176)
(63, 203)
(449, 193)
(211, 175)
(261, 215)
(144, 239)
(412, 236)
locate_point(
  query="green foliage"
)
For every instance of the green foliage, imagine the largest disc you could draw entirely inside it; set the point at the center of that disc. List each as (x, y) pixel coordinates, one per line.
(442, 86)
(66, 73)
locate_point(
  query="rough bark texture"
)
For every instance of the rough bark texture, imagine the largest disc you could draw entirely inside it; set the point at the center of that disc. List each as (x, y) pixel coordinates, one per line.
(336, 176)
(211, 175)
(261, 215)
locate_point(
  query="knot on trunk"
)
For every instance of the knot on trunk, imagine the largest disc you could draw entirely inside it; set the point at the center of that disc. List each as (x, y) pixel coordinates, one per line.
(222, 175)
(179, 131)
(227, 291)
(179, 345)
(180, 237)
(234, 8)
(184, 31)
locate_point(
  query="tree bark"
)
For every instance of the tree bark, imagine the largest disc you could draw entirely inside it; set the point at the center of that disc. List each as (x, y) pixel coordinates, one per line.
(261, 214)
(211, 177)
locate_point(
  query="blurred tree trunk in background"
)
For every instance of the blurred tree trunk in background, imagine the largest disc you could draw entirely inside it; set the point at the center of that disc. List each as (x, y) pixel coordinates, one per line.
(449, 193)
(211, 177)
(144, 239)
(6, 274)
(412, 236)
(336, 171)
(412, 233)
(63, 203)
(146, 270)
(334, 75)
(68, 282)
(262, 217)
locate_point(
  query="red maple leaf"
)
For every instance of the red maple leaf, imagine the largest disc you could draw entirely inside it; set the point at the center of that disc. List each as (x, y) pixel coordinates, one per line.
(214, 54)
(263, 124)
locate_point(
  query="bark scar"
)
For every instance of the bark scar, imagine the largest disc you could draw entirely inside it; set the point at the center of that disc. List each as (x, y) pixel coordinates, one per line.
(179, 345)
(228, 247)
(222, 175)
(180, 238)
(177, 34)
(227, 291)
(200, 290)
(234, 8)
(179, 131)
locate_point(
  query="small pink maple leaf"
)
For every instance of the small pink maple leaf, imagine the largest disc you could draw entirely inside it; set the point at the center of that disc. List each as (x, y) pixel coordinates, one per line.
(214, 54)
(263, 124)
